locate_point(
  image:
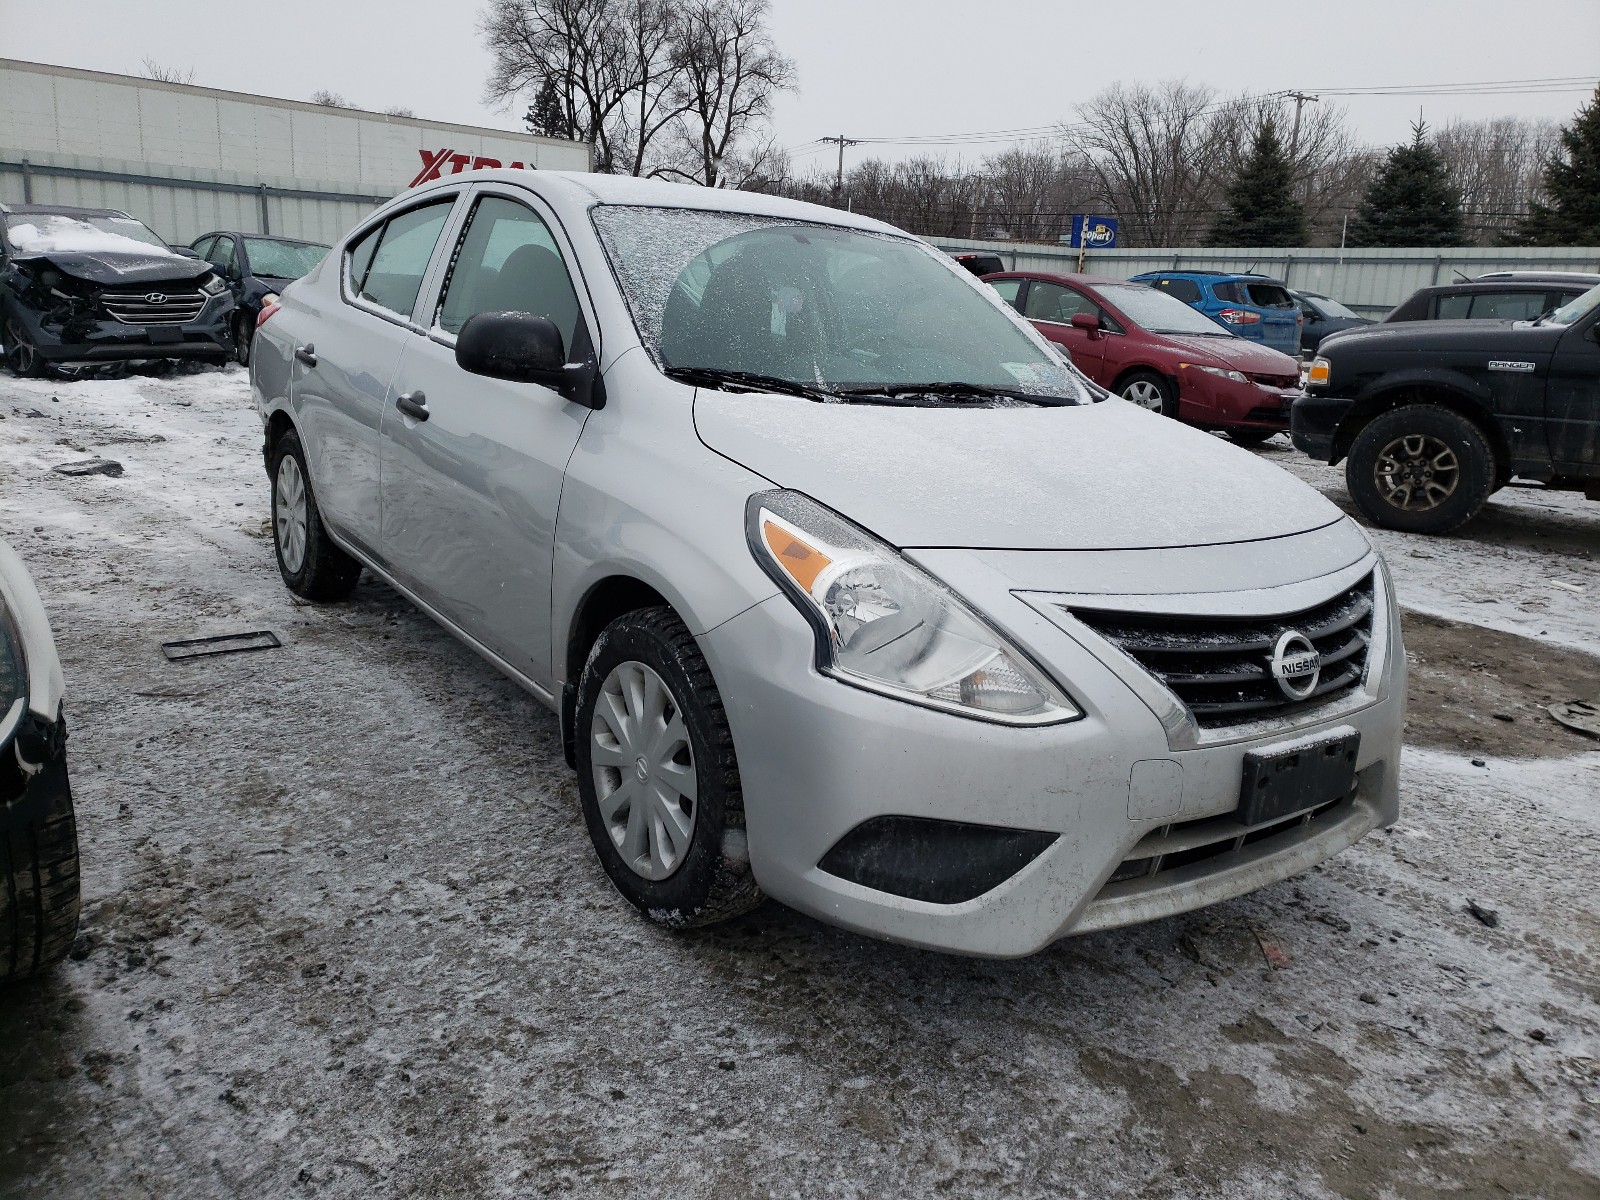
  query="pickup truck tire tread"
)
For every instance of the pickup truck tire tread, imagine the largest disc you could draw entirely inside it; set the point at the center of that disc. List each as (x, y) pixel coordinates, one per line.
(1473, 454)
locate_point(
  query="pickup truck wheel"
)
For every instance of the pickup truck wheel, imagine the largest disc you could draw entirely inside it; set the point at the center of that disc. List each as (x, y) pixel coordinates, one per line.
(1150, 390)
(1421, 468)
(311, 565)
(658, 776)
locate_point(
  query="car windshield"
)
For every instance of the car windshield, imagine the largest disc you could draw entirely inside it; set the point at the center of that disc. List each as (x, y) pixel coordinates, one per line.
(1575, 309)
(1332, 308)
(818, 307)
(1157, 312)
(63, 233)
(282, 260)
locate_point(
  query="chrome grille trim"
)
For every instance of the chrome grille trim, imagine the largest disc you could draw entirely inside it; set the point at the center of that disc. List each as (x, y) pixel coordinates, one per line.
(133, 308)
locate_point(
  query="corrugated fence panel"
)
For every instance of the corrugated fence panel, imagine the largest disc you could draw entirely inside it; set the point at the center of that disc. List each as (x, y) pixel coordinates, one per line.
(1369, 281)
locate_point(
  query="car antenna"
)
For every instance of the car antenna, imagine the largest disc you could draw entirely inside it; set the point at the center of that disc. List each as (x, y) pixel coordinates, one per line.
(1457, 273)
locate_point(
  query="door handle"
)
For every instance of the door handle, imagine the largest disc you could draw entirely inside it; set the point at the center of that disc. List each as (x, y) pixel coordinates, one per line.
(306, 354)
(413, 404)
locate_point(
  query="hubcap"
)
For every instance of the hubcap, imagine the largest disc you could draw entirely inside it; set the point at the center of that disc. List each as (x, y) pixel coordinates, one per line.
(644, 774)
(289, 513)
(1416, 472)
(1143, 393)
(19, 351)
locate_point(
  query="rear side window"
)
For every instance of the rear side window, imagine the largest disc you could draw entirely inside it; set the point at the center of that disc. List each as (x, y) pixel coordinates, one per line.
(1231, 293)
(1454, 308)
(1052, 302)
(1507, 306)
(1269, 295)
(1186, 290)
(387, 265)
(508, 262)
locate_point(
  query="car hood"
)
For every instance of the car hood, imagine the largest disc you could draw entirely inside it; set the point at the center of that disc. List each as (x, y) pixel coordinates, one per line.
(1407, 336)
(1250, 357)
(1107, 476)
(111, 267)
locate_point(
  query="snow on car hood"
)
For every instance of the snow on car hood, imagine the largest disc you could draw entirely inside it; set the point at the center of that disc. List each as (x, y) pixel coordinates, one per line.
(1107, 476)
(100, 256)
(1237, 353)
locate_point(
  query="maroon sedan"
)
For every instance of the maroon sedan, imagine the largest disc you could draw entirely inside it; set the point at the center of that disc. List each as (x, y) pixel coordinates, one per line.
(1158, 352)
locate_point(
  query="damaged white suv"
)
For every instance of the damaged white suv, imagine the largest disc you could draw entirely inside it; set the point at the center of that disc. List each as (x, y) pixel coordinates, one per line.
(848, 591)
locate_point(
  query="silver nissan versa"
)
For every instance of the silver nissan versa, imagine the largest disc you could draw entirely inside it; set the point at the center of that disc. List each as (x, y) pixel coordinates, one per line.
(848, 590)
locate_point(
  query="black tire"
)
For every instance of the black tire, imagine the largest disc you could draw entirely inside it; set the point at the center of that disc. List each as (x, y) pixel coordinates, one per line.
(21, 356)
(39, 889)
(712, 881)
(1251, 437)
(1420, 447)
(1151, 379)
(243, 331)
(324, 572)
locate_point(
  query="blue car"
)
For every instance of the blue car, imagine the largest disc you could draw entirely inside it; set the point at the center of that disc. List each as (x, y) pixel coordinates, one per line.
(1249, 306)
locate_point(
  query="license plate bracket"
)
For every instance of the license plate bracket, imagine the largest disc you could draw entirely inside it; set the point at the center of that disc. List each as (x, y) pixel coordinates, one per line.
(1281, 782)
(162, 337)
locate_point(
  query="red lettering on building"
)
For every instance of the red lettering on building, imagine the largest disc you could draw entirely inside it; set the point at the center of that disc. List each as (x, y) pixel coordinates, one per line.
(434, 162)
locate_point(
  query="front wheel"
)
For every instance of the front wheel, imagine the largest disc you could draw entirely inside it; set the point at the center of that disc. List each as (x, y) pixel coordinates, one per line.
(1149, 390)
(658, 776)
(21, 355)
(243, 330)
(1421, 469)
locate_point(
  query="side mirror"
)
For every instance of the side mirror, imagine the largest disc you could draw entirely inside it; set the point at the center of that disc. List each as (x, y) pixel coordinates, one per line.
(1087, 322)
(526, 349)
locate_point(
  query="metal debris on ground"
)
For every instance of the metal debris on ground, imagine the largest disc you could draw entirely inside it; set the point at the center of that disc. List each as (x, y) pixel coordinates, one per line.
(1277, 958)
(227, 643)
(1486, 916)
(91, 466)
(1582, 715)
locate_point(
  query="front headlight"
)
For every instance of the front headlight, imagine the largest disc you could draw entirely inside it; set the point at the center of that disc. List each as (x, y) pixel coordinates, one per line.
(885, 625)
(214, 285)
(1320, 373)
(1220, 372)
(269, 299)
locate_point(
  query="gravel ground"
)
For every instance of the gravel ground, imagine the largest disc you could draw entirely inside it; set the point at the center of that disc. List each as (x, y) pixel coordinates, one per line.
(344, 935)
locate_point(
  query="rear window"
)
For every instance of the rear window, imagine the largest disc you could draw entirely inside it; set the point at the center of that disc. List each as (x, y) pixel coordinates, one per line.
(980, 264)
(1186, 290)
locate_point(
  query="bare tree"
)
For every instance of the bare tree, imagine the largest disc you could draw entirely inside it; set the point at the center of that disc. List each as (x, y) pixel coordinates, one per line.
(651, 33)
(1495, 164)
(161, 74)
(331, 99)
(731, 73)
(396, 110)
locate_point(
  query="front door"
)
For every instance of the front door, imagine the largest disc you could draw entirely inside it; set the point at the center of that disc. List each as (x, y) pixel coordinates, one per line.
(1572, 400)
(470, 493)
(1051, 307)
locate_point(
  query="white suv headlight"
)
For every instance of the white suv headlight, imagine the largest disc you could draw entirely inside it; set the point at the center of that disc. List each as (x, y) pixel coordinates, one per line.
(884, 624)
(214, 285)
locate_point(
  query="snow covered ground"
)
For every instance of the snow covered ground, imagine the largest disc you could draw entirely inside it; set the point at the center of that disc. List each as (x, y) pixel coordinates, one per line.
(344, 934)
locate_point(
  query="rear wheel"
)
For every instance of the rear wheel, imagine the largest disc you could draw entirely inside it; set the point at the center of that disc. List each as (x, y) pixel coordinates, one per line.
(658, 775)
(1149, 390)
(1420, 468)
(309, 561)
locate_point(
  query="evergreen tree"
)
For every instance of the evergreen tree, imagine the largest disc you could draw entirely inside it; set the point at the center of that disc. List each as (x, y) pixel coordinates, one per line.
(1262, 209)
(546, 115)
(1572, 183)
(1410, 202)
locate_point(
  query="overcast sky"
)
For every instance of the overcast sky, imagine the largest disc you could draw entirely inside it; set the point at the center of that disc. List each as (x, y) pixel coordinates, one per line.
(877, 68)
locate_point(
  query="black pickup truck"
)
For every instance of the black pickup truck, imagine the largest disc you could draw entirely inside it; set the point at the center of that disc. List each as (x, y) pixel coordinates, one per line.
(1435, 416)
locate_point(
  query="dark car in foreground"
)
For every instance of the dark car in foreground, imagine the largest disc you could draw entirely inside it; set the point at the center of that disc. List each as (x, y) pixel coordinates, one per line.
(1500, 296)
(1434, 417)
(257, 267)
(1158, 352)
(93, 285)
(1323, 316)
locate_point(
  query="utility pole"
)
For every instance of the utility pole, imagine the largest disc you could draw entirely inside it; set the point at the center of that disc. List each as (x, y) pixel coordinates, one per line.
(838, 179)
(1300, 101)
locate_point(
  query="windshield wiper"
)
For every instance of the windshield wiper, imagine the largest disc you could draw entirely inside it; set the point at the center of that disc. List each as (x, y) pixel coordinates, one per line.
(716, 377)
(981, 393)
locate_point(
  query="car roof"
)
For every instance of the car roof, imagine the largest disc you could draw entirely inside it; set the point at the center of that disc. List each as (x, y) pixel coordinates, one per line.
(60, 210)
(1493, 285)
(271, 237)
(1210, 275)
(1584, 277)
(586, 189)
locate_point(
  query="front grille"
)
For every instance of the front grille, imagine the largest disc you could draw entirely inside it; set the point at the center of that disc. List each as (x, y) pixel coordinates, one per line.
(143, 308)
(1219, 667)
(1276, 381)
(1186, 843)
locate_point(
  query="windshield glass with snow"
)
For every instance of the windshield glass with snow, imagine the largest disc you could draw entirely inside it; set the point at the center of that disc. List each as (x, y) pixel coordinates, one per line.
(59, 233)
(1157, 312)
(282, 260)
(1575, 309)
(827, 309)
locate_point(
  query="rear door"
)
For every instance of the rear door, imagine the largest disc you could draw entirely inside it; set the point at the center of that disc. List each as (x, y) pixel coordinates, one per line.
(347, 361)
(470, 493)
(1572, 400)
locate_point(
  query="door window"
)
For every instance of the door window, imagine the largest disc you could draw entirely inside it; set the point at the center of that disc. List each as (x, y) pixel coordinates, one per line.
(1186, 290)
(1008, 289)
(1454, 308)
(387, 265)
(222, 255)
(202, 247)
(1052, 302)
(508, 262)
(1507, 306)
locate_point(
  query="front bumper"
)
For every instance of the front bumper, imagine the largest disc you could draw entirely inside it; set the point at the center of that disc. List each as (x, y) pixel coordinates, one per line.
(1313, 423)
(90, 338)
(819, 758)
(1224, 404)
